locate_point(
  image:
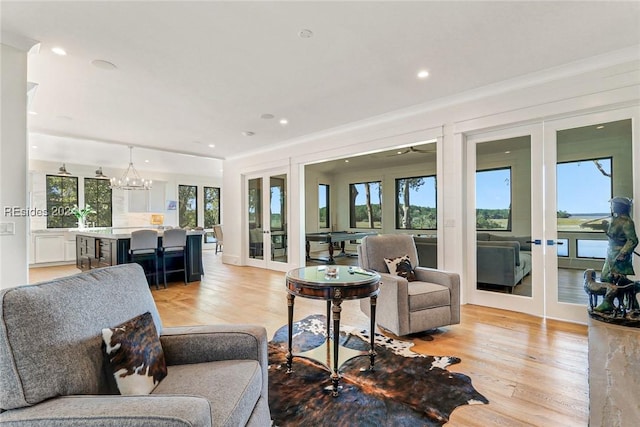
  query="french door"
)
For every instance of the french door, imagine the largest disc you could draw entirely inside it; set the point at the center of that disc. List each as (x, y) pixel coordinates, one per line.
(505, 257)
(547, 188)
(592, 159)
(266, 225)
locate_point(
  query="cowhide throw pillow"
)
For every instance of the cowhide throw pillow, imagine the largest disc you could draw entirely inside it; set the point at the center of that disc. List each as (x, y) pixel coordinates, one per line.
(401, 266)
(135, 355)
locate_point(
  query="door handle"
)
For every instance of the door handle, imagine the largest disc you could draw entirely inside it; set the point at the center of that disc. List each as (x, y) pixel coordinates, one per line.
(535, 242)
(554, 242)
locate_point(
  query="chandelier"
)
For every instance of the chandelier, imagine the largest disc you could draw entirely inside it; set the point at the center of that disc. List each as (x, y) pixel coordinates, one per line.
(130, 179)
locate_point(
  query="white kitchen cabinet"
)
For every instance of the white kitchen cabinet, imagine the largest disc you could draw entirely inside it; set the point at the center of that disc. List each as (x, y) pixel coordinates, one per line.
(49, 248)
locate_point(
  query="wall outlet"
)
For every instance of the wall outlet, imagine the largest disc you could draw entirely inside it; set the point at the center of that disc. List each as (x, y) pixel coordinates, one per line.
(7, 228)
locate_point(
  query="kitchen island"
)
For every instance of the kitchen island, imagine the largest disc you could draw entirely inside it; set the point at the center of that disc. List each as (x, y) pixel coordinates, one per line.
(107, 247)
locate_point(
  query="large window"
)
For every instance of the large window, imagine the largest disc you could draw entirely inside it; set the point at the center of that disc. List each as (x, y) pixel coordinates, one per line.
(584, 189)
(211, 206)
(365, 205)
(493, 199)
(97, 194)
(187, 206)
(324, 214)
(62, 196)
(416, 203)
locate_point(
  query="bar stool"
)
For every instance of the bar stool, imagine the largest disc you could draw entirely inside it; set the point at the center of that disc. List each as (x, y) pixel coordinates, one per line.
(144, 248)
(174, 244)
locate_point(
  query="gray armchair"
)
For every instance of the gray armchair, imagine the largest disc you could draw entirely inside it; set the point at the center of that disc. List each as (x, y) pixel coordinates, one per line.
(52, 366)
(432, 301)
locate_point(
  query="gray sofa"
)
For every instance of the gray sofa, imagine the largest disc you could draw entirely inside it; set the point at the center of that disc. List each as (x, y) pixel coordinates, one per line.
(52, 366)
(501, 260)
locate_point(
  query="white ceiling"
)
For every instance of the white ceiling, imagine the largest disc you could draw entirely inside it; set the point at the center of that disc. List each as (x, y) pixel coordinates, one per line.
(192, 74)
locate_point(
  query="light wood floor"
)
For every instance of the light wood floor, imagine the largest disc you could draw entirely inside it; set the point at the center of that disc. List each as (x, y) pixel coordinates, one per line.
(534, 372)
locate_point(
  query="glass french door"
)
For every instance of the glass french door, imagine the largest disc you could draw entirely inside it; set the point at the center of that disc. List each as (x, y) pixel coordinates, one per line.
(592, 159)
(266, 226)
(505, 226)
(548, 189)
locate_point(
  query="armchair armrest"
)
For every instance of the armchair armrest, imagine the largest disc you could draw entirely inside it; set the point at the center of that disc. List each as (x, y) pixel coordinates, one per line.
(208, 343)
(114, 411)
(393, 301)
(445, 278)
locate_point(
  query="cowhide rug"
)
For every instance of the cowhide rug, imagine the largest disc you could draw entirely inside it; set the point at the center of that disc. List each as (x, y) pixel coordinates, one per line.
(405, 389)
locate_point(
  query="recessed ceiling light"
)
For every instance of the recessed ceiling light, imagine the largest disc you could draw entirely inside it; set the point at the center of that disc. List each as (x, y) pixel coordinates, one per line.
(59, 51)
(266, 116)
(33, 113)
(423, 74)
(284, 121)
(34, 146)
(305, 34)
(600, 127)
(212, 145)
(248, 133)
(346, 161)
(146, 161)
(105, 65)
(507, 152)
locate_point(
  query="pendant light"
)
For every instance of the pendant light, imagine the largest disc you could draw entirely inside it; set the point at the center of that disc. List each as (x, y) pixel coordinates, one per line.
(130, 179)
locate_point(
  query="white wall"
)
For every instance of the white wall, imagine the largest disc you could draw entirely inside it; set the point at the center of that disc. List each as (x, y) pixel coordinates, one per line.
(597, 84)
(13, 165)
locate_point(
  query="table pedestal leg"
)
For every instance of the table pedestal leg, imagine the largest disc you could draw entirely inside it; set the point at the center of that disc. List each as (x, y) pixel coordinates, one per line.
(335, 376)
(290, 300)
(331, 259)
(372, 332)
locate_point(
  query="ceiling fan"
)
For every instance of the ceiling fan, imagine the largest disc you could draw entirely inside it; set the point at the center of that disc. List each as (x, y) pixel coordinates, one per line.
(409, 150)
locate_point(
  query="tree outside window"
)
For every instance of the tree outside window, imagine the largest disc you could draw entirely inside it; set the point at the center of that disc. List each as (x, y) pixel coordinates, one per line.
(365, 205)
(187, 206)
(493, 199)
(62, 196)
(97, 194)
(211, 206)
(416, 203)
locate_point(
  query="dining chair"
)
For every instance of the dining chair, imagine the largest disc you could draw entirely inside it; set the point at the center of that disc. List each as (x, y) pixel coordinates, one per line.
(217, 231)
(144, 248)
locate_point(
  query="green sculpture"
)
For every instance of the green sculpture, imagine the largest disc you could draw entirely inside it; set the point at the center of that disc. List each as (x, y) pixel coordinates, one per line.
(621, 232)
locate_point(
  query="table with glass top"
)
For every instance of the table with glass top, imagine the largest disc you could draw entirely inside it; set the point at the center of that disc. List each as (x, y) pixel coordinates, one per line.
(333, 284)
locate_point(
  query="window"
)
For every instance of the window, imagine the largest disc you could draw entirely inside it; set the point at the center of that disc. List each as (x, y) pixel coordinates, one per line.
(278, 213)
(97, 194)
(416, 203)
(187, 206)
(493, 199)
(584, 189)
(211, 206)
(62, 196)
(323, 206)
(365, 205)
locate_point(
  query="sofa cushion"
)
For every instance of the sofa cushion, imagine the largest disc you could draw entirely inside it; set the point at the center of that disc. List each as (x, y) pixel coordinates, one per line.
(424, 295)
(231, 386)
(135, 355)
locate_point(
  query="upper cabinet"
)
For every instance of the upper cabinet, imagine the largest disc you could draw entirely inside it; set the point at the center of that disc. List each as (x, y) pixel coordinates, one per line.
(148, 200)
